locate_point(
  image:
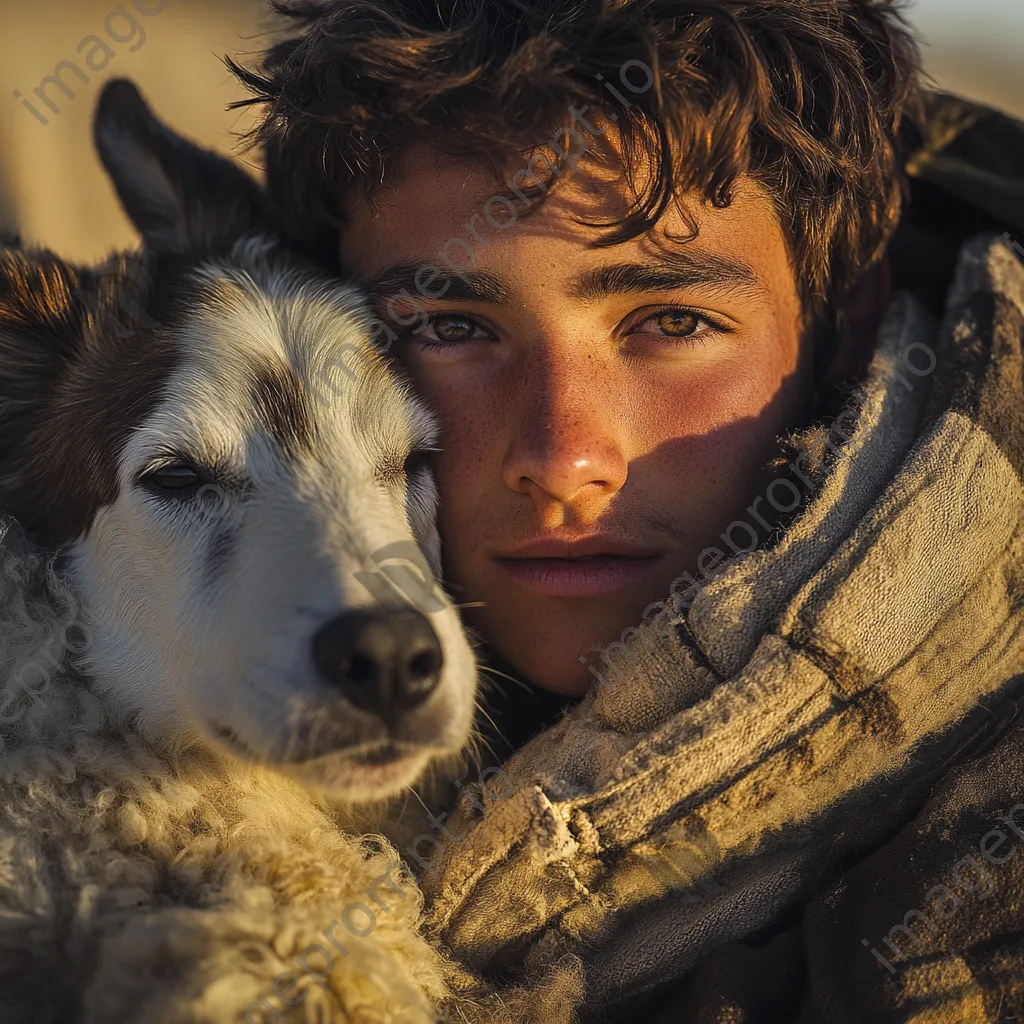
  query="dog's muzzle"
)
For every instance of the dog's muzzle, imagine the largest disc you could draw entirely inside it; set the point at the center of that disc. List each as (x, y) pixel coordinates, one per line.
(383, 662)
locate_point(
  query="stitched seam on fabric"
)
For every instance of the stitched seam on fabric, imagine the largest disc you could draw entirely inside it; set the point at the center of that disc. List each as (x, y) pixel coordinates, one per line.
(838, 664)
(690, 641)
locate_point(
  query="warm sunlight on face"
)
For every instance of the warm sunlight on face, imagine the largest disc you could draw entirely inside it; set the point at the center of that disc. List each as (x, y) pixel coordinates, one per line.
(605, 411)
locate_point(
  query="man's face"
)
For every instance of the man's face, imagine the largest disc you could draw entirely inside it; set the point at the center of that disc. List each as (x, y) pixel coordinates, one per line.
(605, 412)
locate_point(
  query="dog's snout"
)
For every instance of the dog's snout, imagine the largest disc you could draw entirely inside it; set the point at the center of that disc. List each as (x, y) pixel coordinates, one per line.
(382, 662)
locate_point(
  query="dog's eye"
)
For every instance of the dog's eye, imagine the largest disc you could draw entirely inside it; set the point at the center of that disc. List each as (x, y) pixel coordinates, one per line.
(415, 461)
(178, 477)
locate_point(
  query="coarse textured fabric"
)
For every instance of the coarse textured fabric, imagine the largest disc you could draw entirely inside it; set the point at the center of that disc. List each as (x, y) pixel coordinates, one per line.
(796, 793)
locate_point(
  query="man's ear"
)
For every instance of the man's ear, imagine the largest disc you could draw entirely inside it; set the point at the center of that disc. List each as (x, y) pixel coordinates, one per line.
(181, 198)
(858, 323)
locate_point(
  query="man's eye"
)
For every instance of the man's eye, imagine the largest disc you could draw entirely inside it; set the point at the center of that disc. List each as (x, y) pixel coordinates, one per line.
(451, 330)
(679, 325)
(674, 323)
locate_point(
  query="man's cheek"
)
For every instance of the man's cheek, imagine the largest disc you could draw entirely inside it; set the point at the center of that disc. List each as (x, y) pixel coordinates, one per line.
(472, 442)
(467, 505)
(691, 470)
(697, 401)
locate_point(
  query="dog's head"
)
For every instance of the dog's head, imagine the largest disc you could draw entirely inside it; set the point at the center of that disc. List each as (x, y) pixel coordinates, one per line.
(239, 481)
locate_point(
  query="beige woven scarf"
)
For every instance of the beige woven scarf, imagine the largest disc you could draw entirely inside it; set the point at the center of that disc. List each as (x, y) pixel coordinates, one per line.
(735, 749)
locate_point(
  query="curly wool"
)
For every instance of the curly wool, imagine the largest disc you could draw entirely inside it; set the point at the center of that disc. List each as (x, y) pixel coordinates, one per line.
(143, 886)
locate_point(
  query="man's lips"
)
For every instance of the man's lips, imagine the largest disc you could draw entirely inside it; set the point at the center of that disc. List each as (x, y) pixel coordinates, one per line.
(586, 567)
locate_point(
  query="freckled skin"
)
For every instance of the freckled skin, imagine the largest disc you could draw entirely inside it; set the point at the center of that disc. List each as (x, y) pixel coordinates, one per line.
(574, 414)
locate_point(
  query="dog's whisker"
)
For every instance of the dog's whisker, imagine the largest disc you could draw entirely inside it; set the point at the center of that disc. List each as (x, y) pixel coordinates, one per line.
(483, 711)
(405, 802)
(490, 750)
(493, 686)
(490, 671)
(412, 790)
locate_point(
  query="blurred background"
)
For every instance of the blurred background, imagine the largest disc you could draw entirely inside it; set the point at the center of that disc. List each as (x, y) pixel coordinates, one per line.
(53, 191)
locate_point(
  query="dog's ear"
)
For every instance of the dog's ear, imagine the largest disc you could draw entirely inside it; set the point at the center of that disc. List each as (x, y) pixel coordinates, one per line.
(41, 328)
(41, 317)
(79, 368)
(181, 198)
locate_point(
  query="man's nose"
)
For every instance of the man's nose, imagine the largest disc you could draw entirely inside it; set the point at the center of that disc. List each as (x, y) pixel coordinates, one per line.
(567, 438)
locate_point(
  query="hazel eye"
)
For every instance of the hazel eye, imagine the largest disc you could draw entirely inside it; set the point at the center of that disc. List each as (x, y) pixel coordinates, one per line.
(178, 478)
(678, 323)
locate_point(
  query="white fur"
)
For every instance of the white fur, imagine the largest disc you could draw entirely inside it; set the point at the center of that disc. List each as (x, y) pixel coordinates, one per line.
(151, 871)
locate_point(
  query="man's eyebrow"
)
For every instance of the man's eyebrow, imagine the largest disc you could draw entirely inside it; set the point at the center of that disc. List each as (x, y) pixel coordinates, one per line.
(669, 271)
(437, 283)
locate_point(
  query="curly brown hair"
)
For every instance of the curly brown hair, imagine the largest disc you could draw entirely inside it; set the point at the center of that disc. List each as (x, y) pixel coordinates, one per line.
(815, 99)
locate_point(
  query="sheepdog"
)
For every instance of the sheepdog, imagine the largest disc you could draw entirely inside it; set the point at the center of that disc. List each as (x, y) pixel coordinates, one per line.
(220, 631)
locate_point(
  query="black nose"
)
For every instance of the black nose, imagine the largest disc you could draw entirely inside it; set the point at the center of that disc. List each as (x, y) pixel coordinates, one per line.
(382, 662)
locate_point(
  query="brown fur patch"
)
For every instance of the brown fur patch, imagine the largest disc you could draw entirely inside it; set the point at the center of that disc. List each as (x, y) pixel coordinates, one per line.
(279, 403)
(36, 292)
(80, 366)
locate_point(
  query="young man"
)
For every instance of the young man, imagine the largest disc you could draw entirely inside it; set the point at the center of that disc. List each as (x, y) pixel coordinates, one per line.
(637, 255)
